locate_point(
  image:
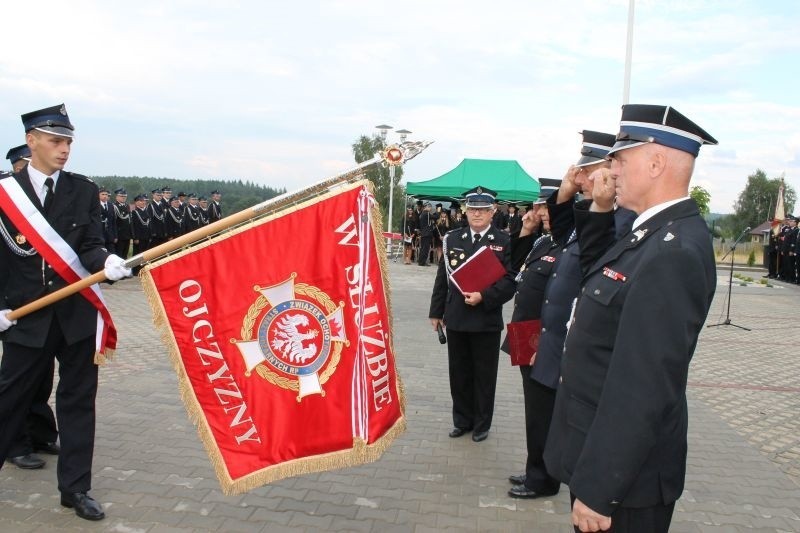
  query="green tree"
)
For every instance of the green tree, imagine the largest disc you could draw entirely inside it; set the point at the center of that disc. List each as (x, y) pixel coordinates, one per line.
(364, 149)
(756, 203)
(702, 197)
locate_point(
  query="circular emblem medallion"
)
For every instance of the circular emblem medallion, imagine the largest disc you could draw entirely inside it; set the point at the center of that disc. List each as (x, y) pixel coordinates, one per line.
(295, 337)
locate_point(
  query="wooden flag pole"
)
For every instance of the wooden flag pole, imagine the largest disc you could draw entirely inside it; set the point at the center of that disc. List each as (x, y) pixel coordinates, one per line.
(389, 156)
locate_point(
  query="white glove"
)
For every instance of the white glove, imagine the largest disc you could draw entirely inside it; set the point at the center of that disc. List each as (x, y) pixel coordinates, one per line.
(115, 268)
(4, 322)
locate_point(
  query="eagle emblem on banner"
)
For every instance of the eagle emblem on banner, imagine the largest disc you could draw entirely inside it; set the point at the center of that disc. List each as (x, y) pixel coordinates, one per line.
(292, 336)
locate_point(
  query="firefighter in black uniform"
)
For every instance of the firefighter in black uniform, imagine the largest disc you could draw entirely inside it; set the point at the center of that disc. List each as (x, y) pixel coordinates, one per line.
(426, 229)
(39, 434)
(174, 219)
(192, 219)
(474, 320)
(158, 233)
(68, 205)
(122, 221)
(141, 224)
(214, 207)
(619, 431)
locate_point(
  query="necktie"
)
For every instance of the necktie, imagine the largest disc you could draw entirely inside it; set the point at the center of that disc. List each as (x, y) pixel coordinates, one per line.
(477, 238)
(48, 197)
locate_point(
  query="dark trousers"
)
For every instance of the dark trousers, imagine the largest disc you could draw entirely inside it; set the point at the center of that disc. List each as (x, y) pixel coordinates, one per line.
(654, 519)
(156, 241)
(123, 247)
(539, 403)
(787, 267)
(140, 246)
(22, 369)
(472, 359)
(424, 250)
(40, 424)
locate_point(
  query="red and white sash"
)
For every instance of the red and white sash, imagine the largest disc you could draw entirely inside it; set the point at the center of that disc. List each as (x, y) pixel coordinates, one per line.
(58, 254)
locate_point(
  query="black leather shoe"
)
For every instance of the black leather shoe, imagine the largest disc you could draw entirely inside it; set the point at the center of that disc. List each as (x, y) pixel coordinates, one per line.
(517, 480)
(479, 436)
(85, 506)
(458, 432)
(30, 461)
(50, 448)
(521, 491)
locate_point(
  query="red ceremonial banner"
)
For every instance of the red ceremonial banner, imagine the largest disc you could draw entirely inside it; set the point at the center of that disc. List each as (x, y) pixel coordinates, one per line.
(280, 332)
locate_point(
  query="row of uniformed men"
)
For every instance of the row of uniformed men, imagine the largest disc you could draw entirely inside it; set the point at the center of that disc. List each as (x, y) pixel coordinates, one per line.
(146, 223)
(152, 222)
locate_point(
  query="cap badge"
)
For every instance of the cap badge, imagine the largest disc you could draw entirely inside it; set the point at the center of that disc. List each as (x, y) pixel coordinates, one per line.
(479, 190)
(63, 110)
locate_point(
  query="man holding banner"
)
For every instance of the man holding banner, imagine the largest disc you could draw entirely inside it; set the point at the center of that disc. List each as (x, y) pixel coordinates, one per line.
(52, 236)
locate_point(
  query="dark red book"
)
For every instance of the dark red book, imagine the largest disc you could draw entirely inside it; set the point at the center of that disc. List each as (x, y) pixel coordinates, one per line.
(523, 341)
(481, 270)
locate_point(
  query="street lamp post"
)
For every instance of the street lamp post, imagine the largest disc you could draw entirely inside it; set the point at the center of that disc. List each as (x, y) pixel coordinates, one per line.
(384, 129)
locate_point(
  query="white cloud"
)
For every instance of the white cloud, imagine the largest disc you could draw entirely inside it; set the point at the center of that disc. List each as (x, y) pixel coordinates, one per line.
(276, 92)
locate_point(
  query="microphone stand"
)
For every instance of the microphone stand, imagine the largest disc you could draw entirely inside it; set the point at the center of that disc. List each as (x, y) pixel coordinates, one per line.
(727, 321)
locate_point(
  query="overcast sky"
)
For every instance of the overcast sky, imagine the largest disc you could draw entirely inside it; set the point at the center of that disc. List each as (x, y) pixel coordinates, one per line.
(276, 92)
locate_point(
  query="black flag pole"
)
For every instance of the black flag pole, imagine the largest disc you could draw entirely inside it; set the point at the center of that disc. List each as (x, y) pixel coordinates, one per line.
(732, 252)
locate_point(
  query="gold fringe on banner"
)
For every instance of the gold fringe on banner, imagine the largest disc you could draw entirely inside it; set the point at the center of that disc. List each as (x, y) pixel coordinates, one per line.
(360, 453)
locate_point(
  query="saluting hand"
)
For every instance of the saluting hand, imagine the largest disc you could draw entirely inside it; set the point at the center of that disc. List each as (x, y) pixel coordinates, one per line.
(569, 186)
(587, 520)
(530, 222)
(604, 190)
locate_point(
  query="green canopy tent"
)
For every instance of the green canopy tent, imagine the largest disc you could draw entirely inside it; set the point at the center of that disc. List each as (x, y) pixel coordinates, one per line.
(507, 178)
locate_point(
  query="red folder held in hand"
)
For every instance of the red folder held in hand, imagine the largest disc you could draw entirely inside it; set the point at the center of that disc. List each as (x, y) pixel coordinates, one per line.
(481, 270)
(523, 341)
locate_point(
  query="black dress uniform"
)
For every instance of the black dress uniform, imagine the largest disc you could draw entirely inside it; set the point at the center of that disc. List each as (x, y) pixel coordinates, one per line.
(122, 214)
(192, 218)
(174, 220)
(473, 331)
(158, 231)
(109, 221)
(214, 208)
(426, 229)
(39, 431)
(65, 329)
(140, 218)
(618, 436)
(536, 270)
(789, 251)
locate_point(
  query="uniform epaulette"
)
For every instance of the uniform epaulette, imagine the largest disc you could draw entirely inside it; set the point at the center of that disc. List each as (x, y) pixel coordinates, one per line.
(453, 231)
(78, 176)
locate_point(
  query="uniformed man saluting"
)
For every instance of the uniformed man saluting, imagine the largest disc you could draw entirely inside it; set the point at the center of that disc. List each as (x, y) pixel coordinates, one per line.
(474, 320)
(618, 436)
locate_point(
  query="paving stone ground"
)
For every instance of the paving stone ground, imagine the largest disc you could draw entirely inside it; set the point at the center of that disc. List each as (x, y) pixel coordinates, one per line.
(152, 474)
